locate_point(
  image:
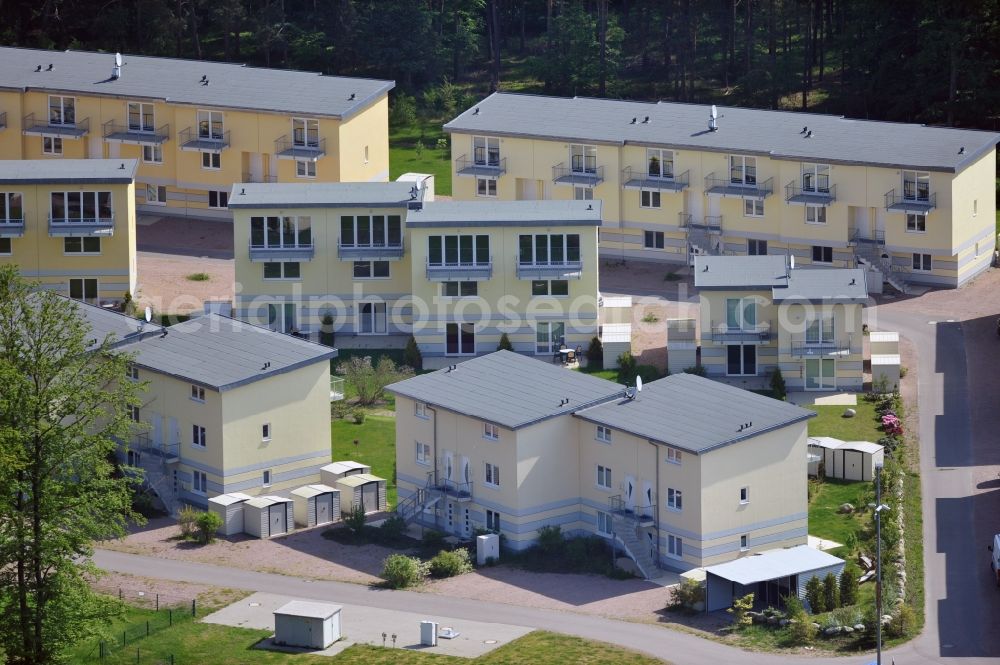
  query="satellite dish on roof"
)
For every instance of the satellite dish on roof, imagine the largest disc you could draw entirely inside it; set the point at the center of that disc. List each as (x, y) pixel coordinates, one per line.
(712, 116)
(791, 261)
(638, 384)
(715, 112)
(149, 314)
(118, 59)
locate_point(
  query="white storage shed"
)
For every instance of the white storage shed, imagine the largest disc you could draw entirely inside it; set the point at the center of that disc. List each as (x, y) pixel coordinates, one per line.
(268, 516)
(306, 624)
(847, 460)
(616, 339)
(331, 473)
(365, 490)
(230, 508)
(316, 505)
(885, 366)
(883, 342)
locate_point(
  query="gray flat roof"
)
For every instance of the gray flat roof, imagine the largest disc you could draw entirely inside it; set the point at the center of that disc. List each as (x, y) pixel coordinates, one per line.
(773, 564)
(694, 413)
(321, 195)
(757, 273)
(508, 389)
(211, 350)
(308, 609)
(67, 171)
(506, 213)
(104, 322)
(777, 134)
(234, 86)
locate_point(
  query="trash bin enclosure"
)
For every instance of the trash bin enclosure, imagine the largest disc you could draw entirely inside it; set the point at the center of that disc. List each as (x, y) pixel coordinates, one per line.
(363, 489)
(316, 505)
(229, 507)
(331, 473)
(268, 516)
(307, 625)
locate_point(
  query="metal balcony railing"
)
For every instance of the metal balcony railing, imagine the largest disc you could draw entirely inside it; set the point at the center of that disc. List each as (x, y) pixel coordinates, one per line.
(370, 252)
(297, 252)
(745, 190)
(684, 219)
(805, 346)
(549, 269)
(642, 514)
(81, 226)
(722, 333)
(336, 388)
(65, 130)
(465, 270)
(452, 489)
(488, 168)
(145, 445)
(711, 223)
(250, 177)
(920, 204)
(638, 178)
(292, 148)
(588, 176)
(191, 139)
(114, 131)
(818, 196)
(11, 227)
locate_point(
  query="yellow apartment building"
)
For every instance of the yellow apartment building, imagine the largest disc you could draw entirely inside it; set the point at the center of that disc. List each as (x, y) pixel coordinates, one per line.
(678, 475)
(759, 313)
(195, 127)
(70, 225)
(384, 262)
(916, 203)
(226, 406)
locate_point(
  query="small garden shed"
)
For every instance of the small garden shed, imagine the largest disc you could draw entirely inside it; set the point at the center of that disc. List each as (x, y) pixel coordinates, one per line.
(846, 460)
(316, 505)
(268, 516)
(331, 473)
(306, 624)
(365, 490)
(229, 507)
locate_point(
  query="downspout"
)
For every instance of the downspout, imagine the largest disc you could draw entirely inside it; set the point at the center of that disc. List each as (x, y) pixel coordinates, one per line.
(656, 501)
(435, 453)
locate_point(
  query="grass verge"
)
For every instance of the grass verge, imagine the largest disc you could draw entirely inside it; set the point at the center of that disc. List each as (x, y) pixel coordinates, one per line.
(414, 149)
(376, 447)
(830, 421)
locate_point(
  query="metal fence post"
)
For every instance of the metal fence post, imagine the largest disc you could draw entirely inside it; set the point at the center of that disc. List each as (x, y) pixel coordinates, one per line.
(157, 602)
(119, 593)
(137, 656)
(124, 641)
(147, 629)
(170, 616)
(193, 606)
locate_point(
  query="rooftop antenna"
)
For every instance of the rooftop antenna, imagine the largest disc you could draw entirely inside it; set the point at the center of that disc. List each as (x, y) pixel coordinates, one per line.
(634, 120)
(713, 116)
(645, 120)
(476, 112)
(961, 150)
(116, 73)
(804, 130)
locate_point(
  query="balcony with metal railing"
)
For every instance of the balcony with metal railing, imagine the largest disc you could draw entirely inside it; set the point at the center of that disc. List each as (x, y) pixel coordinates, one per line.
(642, 515)
(135, 134)
(11, 227)
(192, 139)
(383, 251)
(65, 130)
(459, 270)
(584, 175)
(919, 203)
(252, 177)
(168, 453)
(814, 195)
(286, 147)
(549, 269)
(639, 178)
(450, 489)
(65, 227)
(742, 189)
(486, 167)
(818, 346)
(711, 223)
(723, 333)
(291, 252)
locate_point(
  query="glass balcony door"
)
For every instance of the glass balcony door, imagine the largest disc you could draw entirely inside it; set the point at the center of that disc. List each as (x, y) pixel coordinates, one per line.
(583, 158)
(916, 186)
(140, 117)
(816, 178)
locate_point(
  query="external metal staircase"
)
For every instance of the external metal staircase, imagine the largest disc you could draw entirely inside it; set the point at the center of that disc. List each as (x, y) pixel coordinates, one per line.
(157, 461)
(437, 488)
(703, 236)
(870, 251)
(625, 523)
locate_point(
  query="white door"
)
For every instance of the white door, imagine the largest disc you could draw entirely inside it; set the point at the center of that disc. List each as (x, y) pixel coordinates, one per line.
(277, 519)
(95, 148)
(449, 465)
(369, 497)
(157, 421)
(256, 166)
(322, 509)
(693, 204)
(175, 431)
(860, 221)
(114, 150)
(713, 206)
(526, 189)
(629, 491)
(273, 166)
(648, 500)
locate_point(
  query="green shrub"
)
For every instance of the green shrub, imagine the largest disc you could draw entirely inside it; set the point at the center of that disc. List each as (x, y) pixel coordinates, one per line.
(815, 596)
(400, 571)
(358, 416)
(902, 371)
(849, 586)
(207, 524)
(649, 317)
(404, 111)
(199, 277)
(831, 592)
(187, 520)
(741, 611)
(412, 356)
(339, 409)
(392, 528)
(450, 564)
(432, 539)
(671, 277)
(648, 373)
(903, 621)
(326, 334)
(128, 304)
(355, 520)
(778, 388)
(800, 629)
(627, 368)
(686, 594)
(595, 353)
(505, 344)
(697, 370)
(550, 539)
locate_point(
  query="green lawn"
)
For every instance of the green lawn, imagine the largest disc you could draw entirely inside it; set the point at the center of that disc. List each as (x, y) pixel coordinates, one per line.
(830, 421)
(609, 374)
(824, 519)
(208, 644)
(403, 157)
(376, 447)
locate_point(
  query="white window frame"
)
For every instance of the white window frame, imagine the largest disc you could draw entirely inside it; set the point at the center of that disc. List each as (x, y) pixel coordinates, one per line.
(6, 206)
(459, 334)
(916, 222)
(61, 121)
(820, 328)
(491, 431)
(675, 546)
(491, 475)
(377, 318)
(133, 413)
(266, 478)
(221, 199)
(745, 542)
(548, 337)
(84, 281)
(458, 287)
(746, 167)
(603, 480)
(918, 263)
(486, 150)
(649, 198)
(156, 190)
(83, 251)
(305, 168)
(675, 499)
(282, 316)
(583, 193)
(211, 161)
(824, 250)
(423, 453)
(753, 207)
(674, 456)
(308, 128)
(152, 153)
(284, 276)
(199, 482)
(133, 372)
(199, 436)
(662, 157)
(815, 215)
(603, 434)
(920, 180)
(492, 521)
(84, 204)
(744, 495)
(210, 119)
(813, 176)
(653, 240)
(757, 244)
(265, 432)
(52, 145)
(420, 410)
(371, 270)
(742, 314)
(583, 158)
(478, 241)
(141, 109)
(604, 525)
(197, 393)
(486, 187)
